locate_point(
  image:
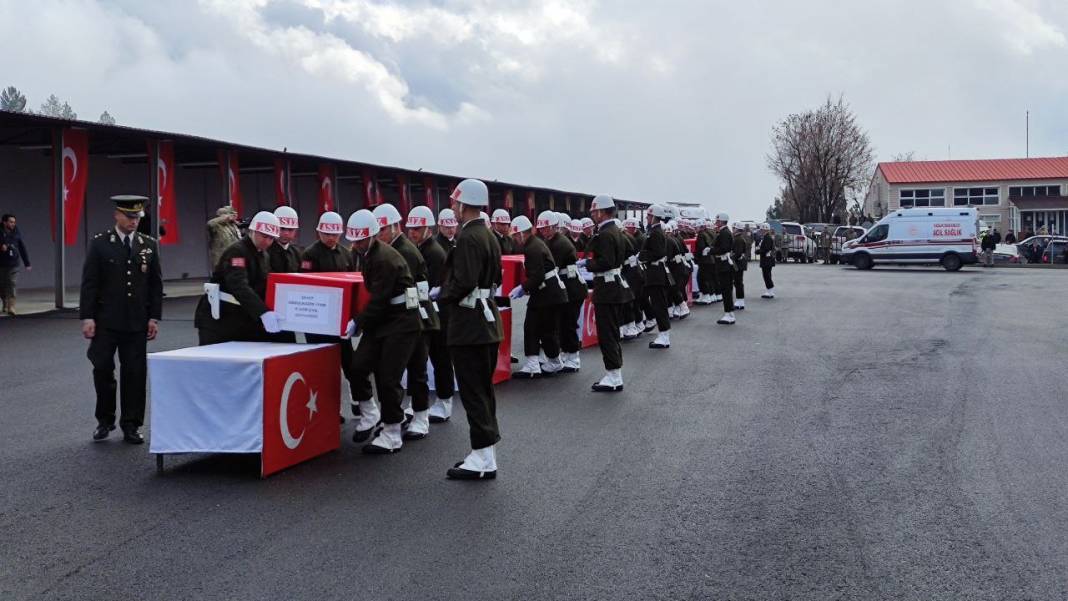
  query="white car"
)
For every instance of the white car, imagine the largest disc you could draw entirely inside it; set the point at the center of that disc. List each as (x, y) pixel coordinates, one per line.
(799, 247)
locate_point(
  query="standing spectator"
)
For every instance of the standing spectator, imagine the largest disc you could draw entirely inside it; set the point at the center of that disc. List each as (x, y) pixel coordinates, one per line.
(12, 250)
(1010, 238)
(988, 245)
(997, 237)
(222, 232)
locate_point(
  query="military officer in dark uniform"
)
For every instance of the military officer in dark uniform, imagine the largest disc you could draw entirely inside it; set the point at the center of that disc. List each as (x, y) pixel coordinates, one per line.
(447, 224)
(121, 305)
(605, 255)
(420, 220)
(680, 272)
(723, 263)
(284, 254)
(740, 255)
(233, 306)
(416, 404)
(634, 273)
(705, 265)
(658, 279)
(475, 333)
(502, 231)
(574, 234)
(391, 329)
(548, 295)
(565, 258)
(766, 252)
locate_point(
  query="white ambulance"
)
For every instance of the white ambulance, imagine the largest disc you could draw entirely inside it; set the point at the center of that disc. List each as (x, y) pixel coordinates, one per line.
(946, 236)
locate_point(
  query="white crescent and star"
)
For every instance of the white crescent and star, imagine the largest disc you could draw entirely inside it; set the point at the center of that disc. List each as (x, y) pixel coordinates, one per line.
(230, 172)
(68, 153)
(162, 165)
(283, 410)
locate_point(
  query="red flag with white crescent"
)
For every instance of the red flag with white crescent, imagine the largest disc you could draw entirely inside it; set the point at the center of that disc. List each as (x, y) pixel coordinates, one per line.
(327, 182)
(230, 170)
(509, 200)
(428, 192)
(281, 183)
(530, 204)
(405, 196)
(167, 203)
(370, 194)
(75, 155)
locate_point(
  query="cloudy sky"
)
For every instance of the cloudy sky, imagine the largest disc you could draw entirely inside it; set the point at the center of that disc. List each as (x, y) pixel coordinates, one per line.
(656, 101)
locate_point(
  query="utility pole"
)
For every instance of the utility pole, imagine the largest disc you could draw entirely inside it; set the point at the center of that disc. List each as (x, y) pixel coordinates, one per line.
(1027, 135)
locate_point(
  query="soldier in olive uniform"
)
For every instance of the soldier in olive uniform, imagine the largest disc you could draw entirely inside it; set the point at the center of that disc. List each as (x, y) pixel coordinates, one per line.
(658, 278)
(222, 232)
(420, 220)
(121, 305)
(284, 255)
(605, 255)
(233, 307)
(680, 272)
(391, 329)
(565, 258)
(574, 234)
(705, 276)
(475, 333)
(548, 295)
(634, 273)
(417, 402)
(447, 224)
(766, 251)
(723, 263)
(501, 222)
(740, 255)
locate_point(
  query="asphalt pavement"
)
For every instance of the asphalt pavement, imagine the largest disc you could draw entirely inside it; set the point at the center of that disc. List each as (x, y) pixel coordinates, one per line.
(892, 434)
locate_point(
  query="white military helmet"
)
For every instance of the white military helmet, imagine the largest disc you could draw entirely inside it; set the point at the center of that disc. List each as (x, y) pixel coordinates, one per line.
(501, 216)
(330, 223)
(362, 225)
(472, 193)
(575, 226)
(287, 218)
(601, 202)
(484, 217)
(387, 215)
(587, 222)
(520, 224)
(447, 218)
(420, 217)
(265, 223)
(563, 219)
(547, 219)
(630, 222)
(722, 217)
(660, 211)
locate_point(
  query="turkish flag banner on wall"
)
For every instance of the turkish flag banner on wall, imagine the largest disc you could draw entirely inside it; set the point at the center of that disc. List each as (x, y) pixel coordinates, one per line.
(327, 182)
(231, 175)
(405, 197)
(428, 193)
(370, 194)
(530, 204)
(281, 183)
(509, 200)
(75, 154)
(167, 203)
(587, 323)
(301, 402)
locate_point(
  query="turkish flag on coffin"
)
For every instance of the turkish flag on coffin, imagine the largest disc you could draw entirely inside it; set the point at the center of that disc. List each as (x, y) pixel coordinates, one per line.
(301, 402)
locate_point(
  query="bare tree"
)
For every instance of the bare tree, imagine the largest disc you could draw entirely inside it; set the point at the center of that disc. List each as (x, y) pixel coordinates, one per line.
(822, 157)
(11, 99)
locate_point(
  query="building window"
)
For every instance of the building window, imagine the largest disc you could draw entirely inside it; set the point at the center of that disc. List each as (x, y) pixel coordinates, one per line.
(1025, 191)
(933, 197)
(974, 196)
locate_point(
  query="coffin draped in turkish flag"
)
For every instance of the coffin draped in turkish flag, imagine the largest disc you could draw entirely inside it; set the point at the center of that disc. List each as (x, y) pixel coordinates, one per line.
(301, 402)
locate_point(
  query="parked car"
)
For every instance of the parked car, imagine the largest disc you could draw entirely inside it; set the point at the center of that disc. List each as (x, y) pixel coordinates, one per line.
(1054, 252)
(799, 247)
(843, 234)
(1008, 253)
(1034, 247)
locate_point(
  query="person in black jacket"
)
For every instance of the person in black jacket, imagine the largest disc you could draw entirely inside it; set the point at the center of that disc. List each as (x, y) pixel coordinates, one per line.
(722, 249)
(605, 255)
(121, 305)
(548, 295)
(12, 250)
(988, 245)
(766, 252)
(565, 257)
(658, 279)
(741, 263)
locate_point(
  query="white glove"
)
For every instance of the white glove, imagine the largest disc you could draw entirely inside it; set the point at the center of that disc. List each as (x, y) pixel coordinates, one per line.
(270, 322)
(350, 329)
(517, 292)
(581, 263)
(435, 292)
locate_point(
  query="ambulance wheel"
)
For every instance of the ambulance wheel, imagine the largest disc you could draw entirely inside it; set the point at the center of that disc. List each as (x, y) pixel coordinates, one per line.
(951, 262)
(862, 261)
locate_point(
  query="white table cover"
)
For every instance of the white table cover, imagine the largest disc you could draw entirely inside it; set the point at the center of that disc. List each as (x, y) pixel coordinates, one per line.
(209, 399)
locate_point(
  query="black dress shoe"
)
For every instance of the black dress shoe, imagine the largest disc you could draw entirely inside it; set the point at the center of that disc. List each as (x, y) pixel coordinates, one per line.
(132, 436)
(598, 387)
(370, 449)
(102, 432)
(413, 435)
(658, 345)
(458, 473)
(363, 435)
(438, 420)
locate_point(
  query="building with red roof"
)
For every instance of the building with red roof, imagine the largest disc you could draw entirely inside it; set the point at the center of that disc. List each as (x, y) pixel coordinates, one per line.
(1024, 195)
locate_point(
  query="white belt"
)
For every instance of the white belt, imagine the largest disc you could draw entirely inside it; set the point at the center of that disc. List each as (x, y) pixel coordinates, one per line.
(632, 261)
(571, 271)
(397, 300)
(724, 257)
(424, 290)
(660, 261)
(479, 295)
(552, 273)
(680, 259)
(616, 273)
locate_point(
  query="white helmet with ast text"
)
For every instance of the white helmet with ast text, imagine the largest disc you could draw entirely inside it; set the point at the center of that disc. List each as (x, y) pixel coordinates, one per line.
(520, 224)
(330, 223)
(471, 192)
(562, 219)
(420, 217)
(484, 217)
(501, 216)
(362, 225)
(575, 226)
(265, 223)
(447, 218)
(547, 219)
(287, 218)
(387, 215)
(601, 202)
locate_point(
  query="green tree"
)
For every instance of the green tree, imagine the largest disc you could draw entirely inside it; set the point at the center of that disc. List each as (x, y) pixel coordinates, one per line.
(11, 99)
(107, 119)
(54, 108)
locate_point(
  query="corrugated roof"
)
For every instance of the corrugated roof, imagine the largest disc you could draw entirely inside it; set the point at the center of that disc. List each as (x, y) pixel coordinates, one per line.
(987, 170)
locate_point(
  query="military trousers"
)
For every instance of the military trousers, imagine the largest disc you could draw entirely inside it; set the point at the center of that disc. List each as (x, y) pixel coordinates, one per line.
(418, 385)
(568, 326)
(385, 359)
(706, 279)
(541, 331)
(725, 280)
(474, 372)
(766, 271)
(441, 359)
(658, 304)
(739, 283)
(609, 319)
(346, 360)
(132, 348)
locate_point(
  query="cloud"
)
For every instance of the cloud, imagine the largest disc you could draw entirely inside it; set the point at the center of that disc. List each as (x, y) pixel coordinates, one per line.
(1024, 29)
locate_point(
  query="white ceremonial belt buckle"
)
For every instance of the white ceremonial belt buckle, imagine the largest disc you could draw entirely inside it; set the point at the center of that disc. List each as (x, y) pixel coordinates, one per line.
(424, 291)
